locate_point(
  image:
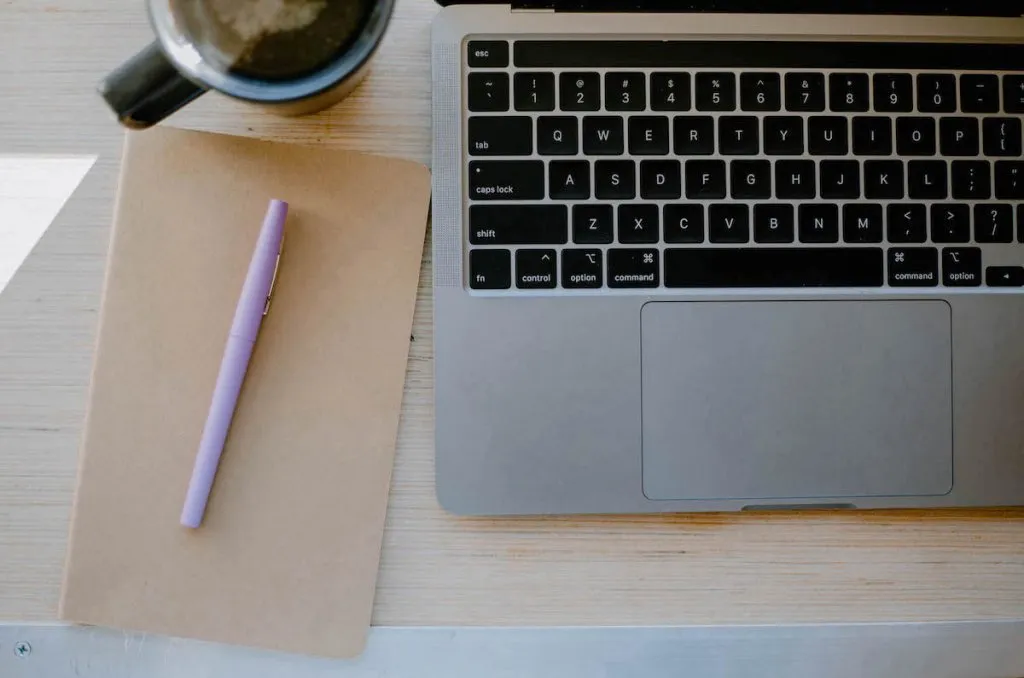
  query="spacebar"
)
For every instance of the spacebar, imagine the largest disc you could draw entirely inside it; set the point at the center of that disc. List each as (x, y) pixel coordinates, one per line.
(771, 267)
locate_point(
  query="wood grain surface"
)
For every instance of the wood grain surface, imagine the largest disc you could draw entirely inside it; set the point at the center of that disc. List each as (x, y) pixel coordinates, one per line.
(436, 568)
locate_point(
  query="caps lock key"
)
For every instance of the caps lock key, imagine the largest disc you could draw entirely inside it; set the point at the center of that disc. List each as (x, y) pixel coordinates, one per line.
(506, 180)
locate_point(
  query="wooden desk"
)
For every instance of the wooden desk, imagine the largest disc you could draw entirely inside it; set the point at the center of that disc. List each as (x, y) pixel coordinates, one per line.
(436, 568)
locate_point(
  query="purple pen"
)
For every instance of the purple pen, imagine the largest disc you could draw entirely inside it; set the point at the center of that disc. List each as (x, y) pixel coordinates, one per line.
(252, 306)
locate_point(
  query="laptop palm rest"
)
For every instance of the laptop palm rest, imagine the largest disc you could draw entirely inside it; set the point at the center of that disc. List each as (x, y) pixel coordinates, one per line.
(796, 399)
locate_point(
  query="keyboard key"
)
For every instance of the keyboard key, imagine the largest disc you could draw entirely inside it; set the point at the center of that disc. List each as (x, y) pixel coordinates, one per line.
(862, 223)
(592, 224)
(487, 54)
(737, 135)
(488, 92)
(582, 269)
(848, 91)
(819, 223)
(603, 136)
(633, 268)
(839, 179)
(558, 135)
(638, 224)
(951, 223)
(773, 223)
(828, 135)
(1001, 136)
(936, 93)
(694, 135)
(794, 179)
(648, 135)
(569, 179)
(518, 224)
(715, 91)
(979, 93)
(660, 180)
(958, 136)
(579, 91)
(961, 266)
(536, 269)
(993, 222)
(728, 223)
(670, 91)
(705, 179)
(684, 224)
(533, 91)
(971, 180)
(490, 269)
(1004, 276)
(783, 135)
(625, 92)
(805, 92)
(872, 135)
(894, 92)
(915, 136)
(498, 135)
(506, 180)
(883, 179)
(913, 267)
(927, 180)
(760, 92)
(906, 222)
(1009, 180)
(615, 179)
(1013, 93)
(773, 267)
(751, 179)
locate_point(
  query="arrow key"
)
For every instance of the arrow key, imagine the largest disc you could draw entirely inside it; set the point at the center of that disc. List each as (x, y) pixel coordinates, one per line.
(535, 269)
(1004, 276)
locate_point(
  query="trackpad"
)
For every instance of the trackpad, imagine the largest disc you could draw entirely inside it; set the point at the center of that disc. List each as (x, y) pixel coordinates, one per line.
(801, 399)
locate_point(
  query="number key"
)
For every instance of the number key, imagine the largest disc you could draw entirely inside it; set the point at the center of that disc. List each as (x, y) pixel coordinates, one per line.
(760, 92)
(848, 91)
(805, 92)
(716, 92)
(579, 91)
(534, 91)
(624, 92)
(936, 93)
(670, 91)
(894, 92)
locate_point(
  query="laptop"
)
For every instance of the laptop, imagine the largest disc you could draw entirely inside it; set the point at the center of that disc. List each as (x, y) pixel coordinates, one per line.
(724, 255)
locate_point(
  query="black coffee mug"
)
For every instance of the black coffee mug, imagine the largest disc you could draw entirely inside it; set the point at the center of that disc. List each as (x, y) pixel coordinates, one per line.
(297, 57)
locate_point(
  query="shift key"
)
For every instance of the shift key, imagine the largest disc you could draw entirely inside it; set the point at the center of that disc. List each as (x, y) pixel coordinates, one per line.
(518, 224)
(506, 180)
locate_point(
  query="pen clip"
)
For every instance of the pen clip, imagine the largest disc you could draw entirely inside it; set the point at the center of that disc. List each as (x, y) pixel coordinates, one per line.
(273, 280)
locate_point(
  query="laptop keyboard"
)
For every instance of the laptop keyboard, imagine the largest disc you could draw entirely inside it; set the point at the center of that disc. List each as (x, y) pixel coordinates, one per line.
(674, 165)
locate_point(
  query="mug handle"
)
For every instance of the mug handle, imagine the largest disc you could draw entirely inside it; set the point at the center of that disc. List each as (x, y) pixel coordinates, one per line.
(147, 88)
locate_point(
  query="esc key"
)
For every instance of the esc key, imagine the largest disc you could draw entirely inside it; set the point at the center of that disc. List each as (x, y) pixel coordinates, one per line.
(488, 54)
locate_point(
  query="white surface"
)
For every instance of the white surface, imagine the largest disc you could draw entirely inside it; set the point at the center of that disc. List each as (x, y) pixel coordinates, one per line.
(33, 189)
(935, 650)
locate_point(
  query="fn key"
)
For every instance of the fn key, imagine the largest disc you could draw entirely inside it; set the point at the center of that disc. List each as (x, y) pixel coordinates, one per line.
(490, 269)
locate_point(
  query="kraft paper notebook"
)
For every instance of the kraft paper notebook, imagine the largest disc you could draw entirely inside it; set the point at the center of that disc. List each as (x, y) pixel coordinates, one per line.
(287, 556)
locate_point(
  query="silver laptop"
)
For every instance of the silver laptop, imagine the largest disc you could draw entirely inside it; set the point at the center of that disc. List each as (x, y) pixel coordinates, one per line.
(724, 255)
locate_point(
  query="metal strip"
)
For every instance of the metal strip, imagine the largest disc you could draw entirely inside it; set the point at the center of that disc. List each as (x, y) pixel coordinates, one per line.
(908, 650)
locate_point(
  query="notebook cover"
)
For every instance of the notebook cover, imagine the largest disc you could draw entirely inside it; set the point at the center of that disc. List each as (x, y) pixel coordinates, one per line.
(287, 556)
